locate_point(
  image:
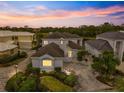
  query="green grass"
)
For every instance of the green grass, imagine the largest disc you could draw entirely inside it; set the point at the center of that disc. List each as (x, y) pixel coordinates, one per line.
(55, 85)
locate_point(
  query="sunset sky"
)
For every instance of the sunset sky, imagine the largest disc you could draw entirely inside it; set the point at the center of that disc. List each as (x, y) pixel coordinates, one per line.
(56, 13)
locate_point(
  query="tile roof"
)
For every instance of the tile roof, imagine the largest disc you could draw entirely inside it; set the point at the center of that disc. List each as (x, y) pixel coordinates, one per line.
(113, 35)
(73, 45)
(57, 35)
(99, 44)
(50, 49)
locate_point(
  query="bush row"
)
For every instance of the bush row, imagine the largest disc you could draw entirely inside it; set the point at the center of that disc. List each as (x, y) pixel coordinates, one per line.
(7, 59)
(70, 80)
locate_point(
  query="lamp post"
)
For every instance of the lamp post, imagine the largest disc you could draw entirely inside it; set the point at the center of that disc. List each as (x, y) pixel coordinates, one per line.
(16, 67)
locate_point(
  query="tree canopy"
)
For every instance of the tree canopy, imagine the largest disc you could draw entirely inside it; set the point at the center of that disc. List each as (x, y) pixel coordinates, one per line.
(106, 64)
(83, 30)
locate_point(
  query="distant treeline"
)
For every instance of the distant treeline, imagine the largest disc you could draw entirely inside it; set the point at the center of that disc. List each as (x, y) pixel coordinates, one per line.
(83, 30)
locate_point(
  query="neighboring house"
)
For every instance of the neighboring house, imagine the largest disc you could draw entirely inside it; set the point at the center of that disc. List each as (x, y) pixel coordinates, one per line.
(8, 49)
(112, 41)
(56, 48)
(23, 39)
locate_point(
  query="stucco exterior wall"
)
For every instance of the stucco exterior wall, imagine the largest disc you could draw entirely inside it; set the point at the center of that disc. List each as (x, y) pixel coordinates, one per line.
(56, 62)
(58, 41)
(25, 38)
(65, 43)
(9, 52)
(25, 45)
(5, 39)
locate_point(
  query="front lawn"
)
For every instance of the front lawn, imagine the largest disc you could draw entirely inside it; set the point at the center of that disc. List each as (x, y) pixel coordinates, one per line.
(54, 85)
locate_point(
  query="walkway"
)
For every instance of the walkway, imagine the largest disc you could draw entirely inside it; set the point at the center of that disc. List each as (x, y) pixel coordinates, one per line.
(121, 67)
(7, 72)
(86, 79)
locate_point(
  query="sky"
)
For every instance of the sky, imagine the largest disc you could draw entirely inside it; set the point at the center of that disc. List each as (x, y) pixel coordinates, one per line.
(60, 13)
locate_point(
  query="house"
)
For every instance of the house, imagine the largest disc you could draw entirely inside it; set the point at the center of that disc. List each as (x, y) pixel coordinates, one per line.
(108, 41)
(56, 48)
(23, 39)
(8, 49)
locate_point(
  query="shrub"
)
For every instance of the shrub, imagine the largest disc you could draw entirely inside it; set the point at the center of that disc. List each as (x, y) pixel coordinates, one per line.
(32, 70)
(8, 58)
(14, 82)
(54, 85)
(119, 84)
(58, 69)
(59, 75)
(22, 54)
(29, 68)
(70, 80)
(81, 54)
(20, 82)
(106, 64)
(29, 85)
(35, 70)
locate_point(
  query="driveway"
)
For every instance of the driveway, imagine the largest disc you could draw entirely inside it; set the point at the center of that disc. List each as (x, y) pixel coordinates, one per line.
(7, 72)
(86, 79)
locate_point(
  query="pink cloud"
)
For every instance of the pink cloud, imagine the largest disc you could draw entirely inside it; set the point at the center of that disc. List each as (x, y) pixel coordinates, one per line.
(30, 16)
(40, 8)
(64, 13)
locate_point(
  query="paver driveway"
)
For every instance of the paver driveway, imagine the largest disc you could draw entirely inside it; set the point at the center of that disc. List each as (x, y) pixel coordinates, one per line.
(7, 72)
(86, 79)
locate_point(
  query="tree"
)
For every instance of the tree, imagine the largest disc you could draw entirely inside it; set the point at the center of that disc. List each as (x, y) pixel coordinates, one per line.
(81, 55)
(106, 64)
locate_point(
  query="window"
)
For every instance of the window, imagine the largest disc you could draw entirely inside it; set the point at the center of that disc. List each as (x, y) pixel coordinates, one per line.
(47, 62)
(69, 53)
(45, 42)
(61, 41)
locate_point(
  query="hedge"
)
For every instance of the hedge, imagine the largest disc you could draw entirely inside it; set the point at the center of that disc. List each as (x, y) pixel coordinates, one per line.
(14, 82)
(32, 70)
(9, 58)
(54, 85)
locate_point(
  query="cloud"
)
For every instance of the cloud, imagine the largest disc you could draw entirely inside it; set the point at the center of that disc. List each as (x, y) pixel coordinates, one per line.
(38, 13)
(27, 14)
(4, 4)
(40, 8)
